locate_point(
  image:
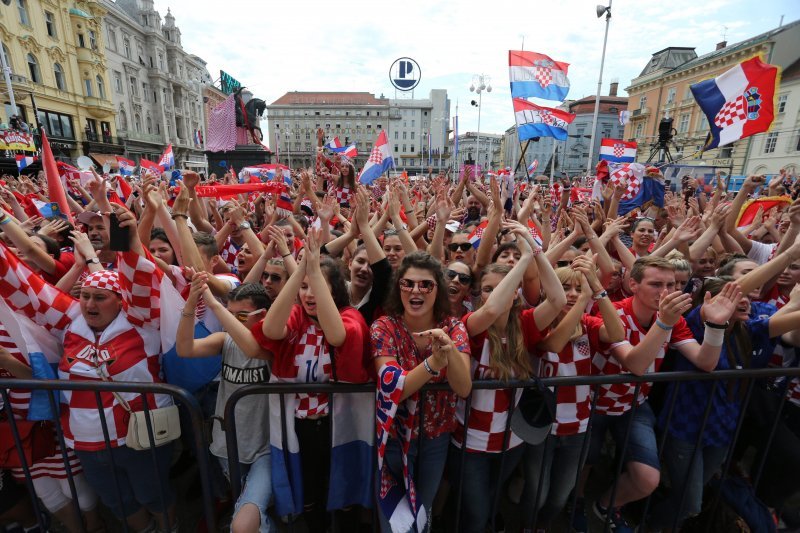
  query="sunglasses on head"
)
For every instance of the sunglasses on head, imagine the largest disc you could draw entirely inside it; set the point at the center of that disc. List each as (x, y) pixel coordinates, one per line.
(242, 316)
(424, 286)
(463, 246)
(274, 278)
(464, 279)
(560, 264)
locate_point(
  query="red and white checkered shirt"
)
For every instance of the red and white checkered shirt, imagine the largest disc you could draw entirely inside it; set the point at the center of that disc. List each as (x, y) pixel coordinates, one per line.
(793, 391)
(342, 194)
(617, 398)
(574, 403)
(305, 356)
(228, 254)
(774, 297)
(488, 416)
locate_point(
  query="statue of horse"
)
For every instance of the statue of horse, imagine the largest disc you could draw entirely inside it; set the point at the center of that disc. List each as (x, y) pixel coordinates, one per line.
(247, 115)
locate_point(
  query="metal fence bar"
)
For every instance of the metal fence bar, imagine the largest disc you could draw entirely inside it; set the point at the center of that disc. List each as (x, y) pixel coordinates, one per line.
(634, 407)
(581, 462)
(152, 440)
(506, 439)
(772, 431)
(76, 508)
(107, 441)
(540, 483)
(462, 461)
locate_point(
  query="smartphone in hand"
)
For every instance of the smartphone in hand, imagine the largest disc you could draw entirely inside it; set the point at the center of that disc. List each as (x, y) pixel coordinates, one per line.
(119, 237)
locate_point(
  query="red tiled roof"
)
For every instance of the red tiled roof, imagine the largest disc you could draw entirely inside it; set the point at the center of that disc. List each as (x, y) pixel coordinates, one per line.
(329, 98)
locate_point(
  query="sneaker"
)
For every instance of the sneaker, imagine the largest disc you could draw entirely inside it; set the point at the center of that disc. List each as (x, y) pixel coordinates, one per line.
(579, 522)
(616, 521)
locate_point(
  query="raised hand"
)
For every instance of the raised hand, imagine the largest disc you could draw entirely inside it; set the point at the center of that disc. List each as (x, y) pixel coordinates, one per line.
(718, 310)
(673, 306)
(441, 346)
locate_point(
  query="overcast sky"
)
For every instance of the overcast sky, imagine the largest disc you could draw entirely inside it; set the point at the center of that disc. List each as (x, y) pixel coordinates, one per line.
(310, 45)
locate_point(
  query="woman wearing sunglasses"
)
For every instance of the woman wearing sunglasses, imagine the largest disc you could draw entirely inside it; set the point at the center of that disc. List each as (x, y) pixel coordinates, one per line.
(459, 284)
(243, 362)
(419, 336)
(313, 341)
(567, 351)
(502, 335)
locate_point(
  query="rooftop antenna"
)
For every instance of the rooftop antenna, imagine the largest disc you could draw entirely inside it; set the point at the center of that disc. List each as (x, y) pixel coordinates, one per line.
(780, 24)
(724, 32)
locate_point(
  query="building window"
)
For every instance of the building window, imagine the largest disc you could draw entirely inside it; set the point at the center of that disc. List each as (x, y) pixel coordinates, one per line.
(160, 61)
(81, 41)
(7, 57)
(123, 120)
(703, 122)
(118, 82)
(50, 24)
(782, 102)
(22, 7)
(404, 136)
(92, 40)
(671, 95)
(639, 129)
(726, 152)
(770, 142)
(642, 102)
(101, 88)
(112, 39)
(149, 124)
(404, 148)
(134, 89)
(33, 69)
(137, 123)
(683, 127)
(126, 47)
(412, 122)
(412, 150)
(58, 125)
(59, 75)
(87, 84)
(396, 135)
(412, 133)
(395, 148)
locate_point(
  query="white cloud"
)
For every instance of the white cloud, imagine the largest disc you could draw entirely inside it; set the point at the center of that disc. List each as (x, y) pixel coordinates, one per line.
(311, 45)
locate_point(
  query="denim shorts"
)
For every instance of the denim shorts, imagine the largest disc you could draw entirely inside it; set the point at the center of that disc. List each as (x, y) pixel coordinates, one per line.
(641, 446)
(133, 472)
(256, 488)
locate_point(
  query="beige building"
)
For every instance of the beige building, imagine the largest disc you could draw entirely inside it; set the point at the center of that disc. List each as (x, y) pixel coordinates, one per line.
(662, 91)
(56, 53)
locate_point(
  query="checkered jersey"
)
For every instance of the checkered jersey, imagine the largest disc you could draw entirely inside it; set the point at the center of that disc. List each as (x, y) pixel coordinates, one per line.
(342, 194)
(488, 415)
(228, 254)
(573, 403)
(305, 356)
(20, 399)
(617, 398)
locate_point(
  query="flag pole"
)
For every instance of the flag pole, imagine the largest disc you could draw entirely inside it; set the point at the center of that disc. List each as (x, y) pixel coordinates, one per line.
(553, 162)
(607, 11)
(522, 159)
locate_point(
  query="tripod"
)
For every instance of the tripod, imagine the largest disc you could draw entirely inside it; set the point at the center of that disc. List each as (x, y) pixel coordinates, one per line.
(661, 149)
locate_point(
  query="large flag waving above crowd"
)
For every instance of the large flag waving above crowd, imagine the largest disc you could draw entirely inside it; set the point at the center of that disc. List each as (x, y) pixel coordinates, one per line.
(536, 75)
(538, 121)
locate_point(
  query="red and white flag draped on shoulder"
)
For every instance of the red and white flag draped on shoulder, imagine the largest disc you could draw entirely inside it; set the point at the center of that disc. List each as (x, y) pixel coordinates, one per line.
(128, 349)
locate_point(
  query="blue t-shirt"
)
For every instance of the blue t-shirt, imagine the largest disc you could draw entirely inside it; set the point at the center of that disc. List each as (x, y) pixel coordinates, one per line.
(762, 310)
(692, 398)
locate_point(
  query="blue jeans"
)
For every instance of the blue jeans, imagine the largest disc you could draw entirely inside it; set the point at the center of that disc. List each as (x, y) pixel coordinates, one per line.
(138, 478)
(481, 478)
(256, 488)
(685, 475)
(432, 456)
(554, 464)
(642, 446)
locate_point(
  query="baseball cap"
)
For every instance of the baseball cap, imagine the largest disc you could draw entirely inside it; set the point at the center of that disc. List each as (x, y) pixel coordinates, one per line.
(535, 414)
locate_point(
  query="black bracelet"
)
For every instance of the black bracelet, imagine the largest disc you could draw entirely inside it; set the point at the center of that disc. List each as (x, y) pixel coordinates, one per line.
(179, 215)
(286, 255)
(717, 326)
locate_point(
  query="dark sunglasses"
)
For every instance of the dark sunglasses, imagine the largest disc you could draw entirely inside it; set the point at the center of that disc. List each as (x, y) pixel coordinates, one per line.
(424, 286)
(464, 279)
(274, 278)
(463, 246)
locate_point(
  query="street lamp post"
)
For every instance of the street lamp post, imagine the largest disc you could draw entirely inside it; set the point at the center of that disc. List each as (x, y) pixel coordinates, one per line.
(480, 83)
(601, 10)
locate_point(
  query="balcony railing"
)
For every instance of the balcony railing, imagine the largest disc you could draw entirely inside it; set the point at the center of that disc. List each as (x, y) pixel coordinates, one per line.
(101, 138)
(145, 137)
(641, 111)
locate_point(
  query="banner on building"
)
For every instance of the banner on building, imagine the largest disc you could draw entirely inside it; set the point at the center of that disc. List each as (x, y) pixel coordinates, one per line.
(16, 140)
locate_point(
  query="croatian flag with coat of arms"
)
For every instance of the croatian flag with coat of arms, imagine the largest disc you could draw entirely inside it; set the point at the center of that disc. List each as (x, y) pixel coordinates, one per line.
(537, 121)
(617, 151)
(380, 160)
(739, 103)
(640, 189)
(536, 75)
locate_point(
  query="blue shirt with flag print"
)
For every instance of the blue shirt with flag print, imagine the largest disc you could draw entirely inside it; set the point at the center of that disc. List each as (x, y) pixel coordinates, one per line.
(692, 396)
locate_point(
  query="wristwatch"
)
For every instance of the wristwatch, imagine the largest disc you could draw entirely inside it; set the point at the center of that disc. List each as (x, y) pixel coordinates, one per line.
(93, 261)
(244, 225)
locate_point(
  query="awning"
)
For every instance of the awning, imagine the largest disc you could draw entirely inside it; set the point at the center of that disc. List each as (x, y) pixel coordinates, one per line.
(102, 159)
(201, 164)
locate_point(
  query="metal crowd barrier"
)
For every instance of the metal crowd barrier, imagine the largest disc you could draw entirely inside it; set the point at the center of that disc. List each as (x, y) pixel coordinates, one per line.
(179, 395)
(750, 377)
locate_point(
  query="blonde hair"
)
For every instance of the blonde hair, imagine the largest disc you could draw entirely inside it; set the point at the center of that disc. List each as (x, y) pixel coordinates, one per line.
(568, 275)
(508, 359)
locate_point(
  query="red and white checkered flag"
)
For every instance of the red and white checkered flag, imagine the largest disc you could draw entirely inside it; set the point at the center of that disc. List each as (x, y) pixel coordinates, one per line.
(221, 134)
(631, 174)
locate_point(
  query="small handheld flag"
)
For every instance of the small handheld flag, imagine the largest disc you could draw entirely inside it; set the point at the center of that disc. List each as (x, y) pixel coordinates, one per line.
(380, 160)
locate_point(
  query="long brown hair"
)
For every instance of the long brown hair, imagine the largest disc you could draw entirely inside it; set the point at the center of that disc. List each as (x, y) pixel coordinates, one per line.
(510, 358)
(568, 275)
(423, 261)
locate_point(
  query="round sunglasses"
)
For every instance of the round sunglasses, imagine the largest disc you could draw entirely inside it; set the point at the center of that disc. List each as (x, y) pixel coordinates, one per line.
(424, 286)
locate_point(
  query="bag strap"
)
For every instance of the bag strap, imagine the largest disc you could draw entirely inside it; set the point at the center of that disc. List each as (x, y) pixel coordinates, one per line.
(125, 405)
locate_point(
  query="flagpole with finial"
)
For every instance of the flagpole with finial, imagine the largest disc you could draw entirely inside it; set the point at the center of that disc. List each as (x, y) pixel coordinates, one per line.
(528, 142)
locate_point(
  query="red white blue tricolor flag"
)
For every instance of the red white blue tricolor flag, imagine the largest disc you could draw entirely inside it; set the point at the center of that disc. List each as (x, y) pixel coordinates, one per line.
(167, 160)
(617, 151)
(739, 103)
(334, 145)
(536, 75)
(126, 166)
(380, 160)
(537, 121)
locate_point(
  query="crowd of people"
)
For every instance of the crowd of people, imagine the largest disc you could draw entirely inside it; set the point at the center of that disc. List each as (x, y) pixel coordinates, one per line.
(426, 280)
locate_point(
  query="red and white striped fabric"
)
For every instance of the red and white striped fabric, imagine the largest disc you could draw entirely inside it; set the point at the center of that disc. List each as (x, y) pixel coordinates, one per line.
(617, 398)
(221, 132)
(774, 297)
(793, 391)
(488, 415)
(573, 403)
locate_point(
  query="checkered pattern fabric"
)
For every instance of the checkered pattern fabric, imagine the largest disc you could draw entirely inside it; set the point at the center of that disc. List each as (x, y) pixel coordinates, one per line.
(774, 297)
(375, 156)
(617, 398)
(140, 284)
(619, 149)
(378, 191)
(228, 254)
(574, 403)
(342, 194)
(488, 416)
(624, 174)
(27, 293)
(103, 279)
(731, 113)
(793, 391)
(543, 75)
(20, 399)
